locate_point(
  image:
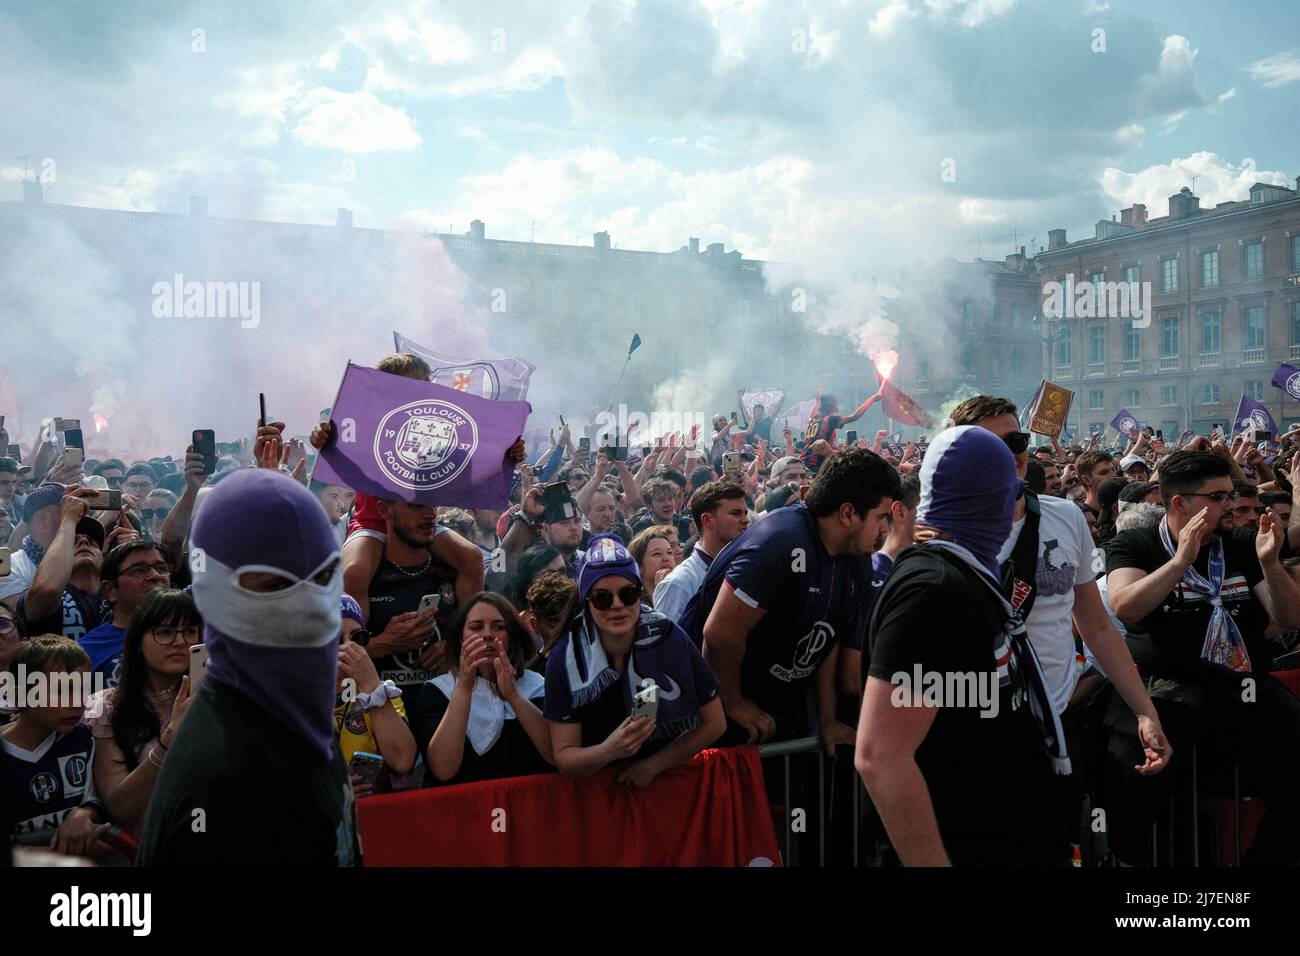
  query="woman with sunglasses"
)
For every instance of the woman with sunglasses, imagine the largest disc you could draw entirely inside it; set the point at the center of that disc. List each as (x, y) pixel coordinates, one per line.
(613, 649)
(482, 720)
(135, 722)
(11, 639)
(154, 511)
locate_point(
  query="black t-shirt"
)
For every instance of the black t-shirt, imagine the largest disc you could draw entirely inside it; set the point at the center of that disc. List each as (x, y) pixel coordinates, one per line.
(267, 797)
(396, 590)
(79, 612)
(513, 755)
(995, 796)
(1167, 642)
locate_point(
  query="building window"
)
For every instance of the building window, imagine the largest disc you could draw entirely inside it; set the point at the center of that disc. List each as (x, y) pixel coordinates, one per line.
(1097, 345)
(1097, 278)
(1210, 269)
(1168, 395)
(1295, 322)
(1211, 333)
(1096, 398)
(1132, 275)
(1255, 389)
(968, 313)
(1168, 275)
(1209, 394)
(1017, 320)
(1065, 348)
(1254, 260)
(1253, 333)
(1132, 344)
(1131, 398)
(1169, 337)
(995, 365)
(970, 362)
(1295, 254)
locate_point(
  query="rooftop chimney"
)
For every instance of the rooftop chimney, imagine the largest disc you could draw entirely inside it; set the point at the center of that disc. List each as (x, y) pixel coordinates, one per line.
(601, 240)
(1055, 238)
(32, 191)
(344, 219)
(1183, 204)
(198, 205)
(695, 245)
(477, 230)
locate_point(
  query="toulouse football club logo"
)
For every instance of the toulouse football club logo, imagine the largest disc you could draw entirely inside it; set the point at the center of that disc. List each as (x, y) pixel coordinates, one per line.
(1293, 384)
(425, 445)
(1127, 425)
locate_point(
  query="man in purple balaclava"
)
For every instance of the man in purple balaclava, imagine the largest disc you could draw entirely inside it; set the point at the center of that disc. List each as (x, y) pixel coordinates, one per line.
(254, 776)
(957, 741)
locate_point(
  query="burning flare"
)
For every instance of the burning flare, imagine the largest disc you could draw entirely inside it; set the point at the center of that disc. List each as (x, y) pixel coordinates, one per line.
(886, 362)
(100, 422)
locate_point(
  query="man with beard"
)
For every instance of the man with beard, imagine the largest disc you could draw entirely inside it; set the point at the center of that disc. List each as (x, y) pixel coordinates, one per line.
(1197, 595)
(65, 598)
(404, 641)
(776, 601)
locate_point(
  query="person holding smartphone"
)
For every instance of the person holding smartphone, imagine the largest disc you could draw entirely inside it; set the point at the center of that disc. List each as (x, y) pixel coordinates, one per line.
(482, 720)
(135, 722)
(611, 646)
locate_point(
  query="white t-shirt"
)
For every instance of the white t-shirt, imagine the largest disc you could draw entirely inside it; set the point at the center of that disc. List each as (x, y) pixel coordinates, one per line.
(676, 590)
(20, 577)
(1064, 561)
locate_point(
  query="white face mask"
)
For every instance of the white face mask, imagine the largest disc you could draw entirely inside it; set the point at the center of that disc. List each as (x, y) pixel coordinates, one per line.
(303, 615)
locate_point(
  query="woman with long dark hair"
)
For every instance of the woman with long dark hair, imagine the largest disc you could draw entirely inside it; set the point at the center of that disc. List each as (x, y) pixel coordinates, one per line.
(483, 719)
(134, 723)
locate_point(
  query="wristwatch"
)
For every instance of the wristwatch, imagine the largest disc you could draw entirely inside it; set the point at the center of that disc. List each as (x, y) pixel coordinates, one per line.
(361, 637)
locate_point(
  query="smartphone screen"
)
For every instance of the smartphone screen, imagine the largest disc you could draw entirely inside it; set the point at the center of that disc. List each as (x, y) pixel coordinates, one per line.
(853, 438)
(15, 453)
(204, 441)
(72, 439)
(584, 443)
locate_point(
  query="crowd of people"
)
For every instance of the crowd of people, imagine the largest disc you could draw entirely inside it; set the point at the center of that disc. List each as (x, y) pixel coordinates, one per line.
(999, 638)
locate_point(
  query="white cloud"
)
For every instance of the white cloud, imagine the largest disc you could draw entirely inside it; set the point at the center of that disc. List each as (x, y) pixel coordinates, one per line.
(353, 122)
(981, 11)
(1217, 180)
(887, 19)
(978, 212)
(1280, 69)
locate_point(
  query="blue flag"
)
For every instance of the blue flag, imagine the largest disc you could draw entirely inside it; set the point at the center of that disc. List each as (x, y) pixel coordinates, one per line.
(1124, 422)
(1253, 414)
(1287, 378)
(636, 343)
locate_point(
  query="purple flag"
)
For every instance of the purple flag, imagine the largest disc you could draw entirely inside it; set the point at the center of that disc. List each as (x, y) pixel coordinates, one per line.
(1253, 414)
(1125, 422)
(420, 441)
(1287, 378)
(498, 378)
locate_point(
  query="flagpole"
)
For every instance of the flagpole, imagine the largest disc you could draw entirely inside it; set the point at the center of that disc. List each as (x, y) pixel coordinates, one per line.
(619, 382)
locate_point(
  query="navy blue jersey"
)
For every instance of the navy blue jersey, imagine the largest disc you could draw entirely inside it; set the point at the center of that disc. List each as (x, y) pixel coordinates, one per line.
(811, 600)
(45, 784)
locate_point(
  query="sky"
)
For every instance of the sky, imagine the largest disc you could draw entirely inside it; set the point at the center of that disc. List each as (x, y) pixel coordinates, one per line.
(812, 131)
(853, 138)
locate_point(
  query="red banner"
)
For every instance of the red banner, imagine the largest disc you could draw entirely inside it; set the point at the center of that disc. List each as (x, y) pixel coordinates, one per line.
(712, 811)
(901, 407)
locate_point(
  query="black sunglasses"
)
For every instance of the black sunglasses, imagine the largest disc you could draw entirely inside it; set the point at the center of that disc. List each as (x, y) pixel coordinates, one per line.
(629, 596)
(1016, 441)
(150, 513)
